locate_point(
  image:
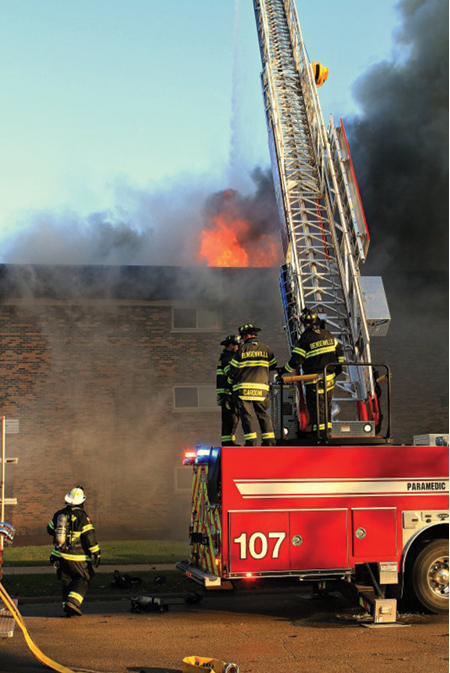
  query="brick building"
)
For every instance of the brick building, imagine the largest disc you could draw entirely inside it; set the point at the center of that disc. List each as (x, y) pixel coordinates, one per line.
(110, 373)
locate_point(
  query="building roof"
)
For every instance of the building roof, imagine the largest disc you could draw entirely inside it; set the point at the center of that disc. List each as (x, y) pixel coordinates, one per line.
(147, 283)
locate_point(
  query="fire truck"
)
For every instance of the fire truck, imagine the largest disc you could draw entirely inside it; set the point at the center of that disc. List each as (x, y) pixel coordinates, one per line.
(345, 507)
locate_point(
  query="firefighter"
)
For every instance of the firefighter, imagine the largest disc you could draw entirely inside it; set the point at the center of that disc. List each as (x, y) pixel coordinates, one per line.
(249, 376)
(315, 349)
(75, 549)
(225, 399)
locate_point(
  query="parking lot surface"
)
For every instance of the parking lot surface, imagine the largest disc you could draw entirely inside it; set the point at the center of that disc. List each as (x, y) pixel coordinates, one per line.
(260, 632)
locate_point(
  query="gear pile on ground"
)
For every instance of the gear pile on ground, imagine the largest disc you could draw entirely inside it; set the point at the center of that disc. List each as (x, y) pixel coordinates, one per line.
(124, 581)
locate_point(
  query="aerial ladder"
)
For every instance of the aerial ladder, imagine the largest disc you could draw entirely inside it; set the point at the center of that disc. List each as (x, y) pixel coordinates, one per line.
(324, 232)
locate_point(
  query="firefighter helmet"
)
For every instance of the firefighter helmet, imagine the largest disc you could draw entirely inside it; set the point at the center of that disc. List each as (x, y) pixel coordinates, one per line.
(248, 329)
(308, 317)
(75, 496)
(231, 339)
(320, 73)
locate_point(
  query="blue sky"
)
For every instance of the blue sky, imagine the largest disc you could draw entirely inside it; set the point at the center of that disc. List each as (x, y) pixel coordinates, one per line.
(101, 98)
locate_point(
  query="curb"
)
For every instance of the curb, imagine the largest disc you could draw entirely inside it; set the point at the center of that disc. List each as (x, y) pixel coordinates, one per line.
(107, 568)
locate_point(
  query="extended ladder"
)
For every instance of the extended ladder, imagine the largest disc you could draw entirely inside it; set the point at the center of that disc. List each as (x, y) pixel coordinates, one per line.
(324, 234)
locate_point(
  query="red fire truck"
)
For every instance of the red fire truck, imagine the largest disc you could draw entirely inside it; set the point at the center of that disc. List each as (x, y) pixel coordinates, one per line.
(361, 515)
(346, 505)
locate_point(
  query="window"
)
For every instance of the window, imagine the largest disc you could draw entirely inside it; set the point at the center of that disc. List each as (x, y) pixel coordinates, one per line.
(196, 319)
(195, 398)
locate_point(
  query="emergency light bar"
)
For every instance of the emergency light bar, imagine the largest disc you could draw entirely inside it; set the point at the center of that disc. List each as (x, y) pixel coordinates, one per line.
(197, 456)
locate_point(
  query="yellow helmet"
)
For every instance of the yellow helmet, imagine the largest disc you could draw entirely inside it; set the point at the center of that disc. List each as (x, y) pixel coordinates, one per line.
(320, 73)
(75, 496)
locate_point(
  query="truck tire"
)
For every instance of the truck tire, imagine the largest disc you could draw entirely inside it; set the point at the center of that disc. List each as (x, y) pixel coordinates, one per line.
(429, 577)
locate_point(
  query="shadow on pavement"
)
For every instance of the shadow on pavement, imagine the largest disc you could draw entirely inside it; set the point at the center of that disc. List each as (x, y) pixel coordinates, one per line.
(136, 669)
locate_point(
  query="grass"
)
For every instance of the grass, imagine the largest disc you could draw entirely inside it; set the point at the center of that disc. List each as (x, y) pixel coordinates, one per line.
(47, 585)
(113, 553)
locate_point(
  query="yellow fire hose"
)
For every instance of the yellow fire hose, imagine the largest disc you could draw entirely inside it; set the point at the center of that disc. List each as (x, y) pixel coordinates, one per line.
(189, 663)
(40, 656)
(196, 664)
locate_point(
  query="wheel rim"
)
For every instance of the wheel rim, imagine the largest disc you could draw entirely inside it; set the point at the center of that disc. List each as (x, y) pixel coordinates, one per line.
(438, 576)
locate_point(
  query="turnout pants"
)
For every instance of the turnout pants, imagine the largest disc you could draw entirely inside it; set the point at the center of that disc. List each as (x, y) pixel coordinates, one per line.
(75, 577)
(317, 410)
(247, 411)
(230, 420)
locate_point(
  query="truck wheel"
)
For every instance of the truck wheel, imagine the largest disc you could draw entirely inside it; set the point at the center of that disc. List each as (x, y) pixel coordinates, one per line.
(430, 577)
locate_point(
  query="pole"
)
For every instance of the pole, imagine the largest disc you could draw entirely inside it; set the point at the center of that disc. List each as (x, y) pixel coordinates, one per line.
(2, 482)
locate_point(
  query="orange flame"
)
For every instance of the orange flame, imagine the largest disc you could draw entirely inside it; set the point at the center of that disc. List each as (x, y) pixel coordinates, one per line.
(221, 245)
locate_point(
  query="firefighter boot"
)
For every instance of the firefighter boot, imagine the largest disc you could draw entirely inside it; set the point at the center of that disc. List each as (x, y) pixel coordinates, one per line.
(72, 610)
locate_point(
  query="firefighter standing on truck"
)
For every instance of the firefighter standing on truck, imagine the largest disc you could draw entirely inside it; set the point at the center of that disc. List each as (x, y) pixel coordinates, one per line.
(75, 549)
(225, 399)
(315, 349)
(249, 376)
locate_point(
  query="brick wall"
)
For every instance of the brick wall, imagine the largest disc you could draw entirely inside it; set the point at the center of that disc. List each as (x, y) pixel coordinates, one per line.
(91, 382)
(91, 379)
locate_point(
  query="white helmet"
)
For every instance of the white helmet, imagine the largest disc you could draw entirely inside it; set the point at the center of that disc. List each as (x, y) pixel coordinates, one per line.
(76, 496)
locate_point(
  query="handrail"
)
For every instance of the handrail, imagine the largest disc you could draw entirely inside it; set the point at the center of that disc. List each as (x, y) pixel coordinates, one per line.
(385, 377)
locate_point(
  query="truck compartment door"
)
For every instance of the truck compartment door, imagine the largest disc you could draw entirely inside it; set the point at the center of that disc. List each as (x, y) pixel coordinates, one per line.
(318, 539)
(374, 533)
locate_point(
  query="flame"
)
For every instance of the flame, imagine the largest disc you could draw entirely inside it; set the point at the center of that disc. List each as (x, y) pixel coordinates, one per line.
(220, 245)
(228, 242)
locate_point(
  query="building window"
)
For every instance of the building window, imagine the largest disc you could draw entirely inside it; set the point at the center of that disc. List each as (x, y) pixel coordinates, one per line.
(190, 319)
(195, 398)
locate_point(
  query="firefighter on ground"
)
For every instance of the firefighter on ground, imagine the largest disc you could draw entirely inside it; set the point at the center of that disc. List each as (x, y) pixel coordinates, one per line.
(225, 399)
(75, 550)
(315, 349)
(249, 377)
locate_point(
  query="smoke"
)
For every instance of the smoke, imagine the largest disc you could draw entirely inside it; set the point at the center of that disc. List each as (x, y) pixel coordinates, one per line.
(146, 227)
(400, 144)
(143, 227)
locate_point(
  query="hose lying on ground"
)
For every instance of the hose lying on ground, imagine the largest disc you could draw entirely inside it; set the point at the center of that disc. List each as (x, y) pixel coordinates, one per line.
(40, 656)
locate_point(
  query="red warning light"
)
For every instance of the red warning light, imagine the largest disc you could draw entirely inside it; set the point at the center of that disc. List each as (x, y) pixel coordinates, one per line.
(189, 457)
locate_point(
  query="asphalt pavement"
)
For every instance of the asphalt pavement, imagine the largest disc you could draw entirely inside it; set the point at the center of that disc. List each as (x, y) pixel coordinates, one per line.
(260, 632)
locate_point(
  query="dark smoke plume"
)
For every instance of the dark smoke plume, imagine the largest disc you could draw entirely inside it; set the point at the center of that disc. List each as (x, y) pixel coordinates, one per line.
(400, 145)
